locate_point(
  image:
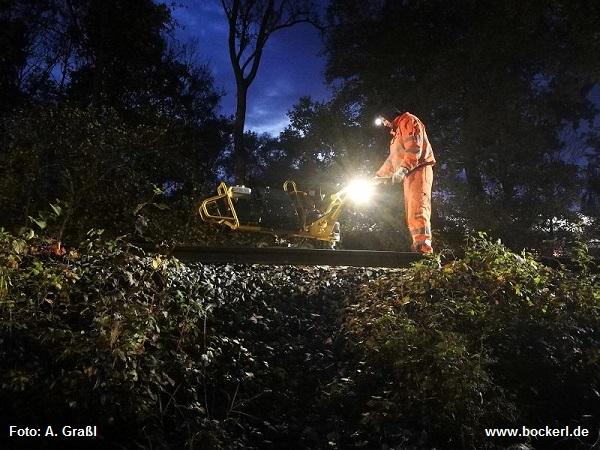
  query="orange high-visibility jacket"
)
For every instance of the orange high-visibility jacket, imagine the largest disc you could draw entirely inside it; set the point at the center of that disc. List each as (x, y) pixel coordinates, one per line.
(409, 148)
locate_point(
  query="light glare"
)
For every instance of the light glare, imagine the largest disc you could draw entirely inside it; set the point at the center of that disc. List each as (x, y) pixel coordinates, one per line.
(360, 191)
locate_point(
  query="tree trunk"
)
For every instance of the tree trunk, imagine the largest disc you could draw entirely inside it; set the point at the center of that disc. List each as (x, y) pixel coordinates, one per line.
(474, 178)
(240, 157)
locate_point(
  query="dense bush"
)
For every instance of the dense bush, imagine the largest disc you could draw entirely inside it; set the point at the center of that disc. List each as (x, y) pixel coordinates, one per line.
(101, 336)
(493, 339)
(99, 166)
(161, 354)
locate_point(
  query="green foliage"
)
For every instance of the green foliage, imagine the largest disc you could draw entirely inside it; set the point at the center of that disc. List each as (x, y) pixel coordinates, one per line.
(162, 354)
(492, 339)
(156, 351)
(100, 167)
(100, 105)
(101, 333)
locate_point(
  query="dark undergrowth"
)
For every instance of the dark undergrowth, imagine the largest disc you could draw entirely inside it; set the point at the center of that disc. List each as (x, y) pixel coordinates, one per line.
(160, 354)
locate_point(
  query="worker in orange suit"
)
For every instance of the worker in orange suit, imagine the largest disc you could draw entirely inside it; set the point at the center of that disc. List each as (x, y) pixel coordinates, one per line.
(411, 162)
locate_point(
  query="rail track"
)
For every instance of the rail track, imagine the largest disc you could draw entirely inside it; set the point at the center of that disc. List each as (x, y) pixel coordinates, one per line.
(317, 257)
(293, 256)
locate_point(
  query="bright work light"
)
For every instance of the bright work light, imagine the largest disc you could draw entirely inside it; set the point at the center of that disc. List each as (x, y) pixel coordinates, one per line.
(378, 121)
(360, 190)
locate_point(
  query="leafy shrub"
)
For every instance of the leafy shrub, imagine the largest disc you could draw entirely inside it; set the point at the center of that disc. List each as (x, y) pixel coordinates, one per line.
(101, 163)
(161, 354)
(102, 335)
(493, 339)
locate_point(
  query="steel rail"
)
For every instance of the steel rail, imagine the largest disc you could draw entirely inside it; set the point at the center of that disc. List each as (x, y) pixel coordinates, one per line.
(293, 256)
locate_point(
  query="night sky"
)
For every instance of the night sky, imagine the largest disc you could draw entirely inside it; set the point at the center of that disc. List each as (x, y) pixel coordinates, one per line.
(291, 66)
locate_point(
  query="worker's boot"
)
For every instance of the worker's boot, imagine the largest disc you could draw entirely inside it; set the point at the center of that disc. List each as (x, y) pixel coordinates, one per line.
(423, 247)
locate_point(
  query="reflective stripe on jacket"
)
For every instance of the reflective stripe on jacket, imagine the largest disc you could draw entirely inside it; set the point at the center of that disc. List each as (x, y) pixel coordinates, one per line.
(409, 148)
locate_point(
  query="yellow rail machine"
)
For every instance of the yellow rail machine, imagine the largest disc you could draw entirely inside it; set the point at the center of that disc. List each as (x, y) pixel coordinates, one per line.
(312, 224)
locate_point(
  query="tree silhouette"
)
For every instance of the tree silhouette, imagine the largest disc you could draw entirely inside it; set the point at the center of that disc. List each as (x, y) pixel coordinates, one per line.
(251, 24)
(495, 85)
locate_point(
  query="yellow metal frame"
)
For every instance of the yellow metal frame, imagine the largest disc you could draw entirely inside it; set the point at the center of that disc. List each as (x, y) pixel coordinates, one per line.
(320, 229)
(232, 220)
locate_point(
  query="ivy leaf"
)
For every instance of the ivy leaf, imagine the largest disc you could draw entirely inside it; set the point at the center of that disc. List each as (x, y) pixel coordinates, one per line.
(39, 222)
(57, 209)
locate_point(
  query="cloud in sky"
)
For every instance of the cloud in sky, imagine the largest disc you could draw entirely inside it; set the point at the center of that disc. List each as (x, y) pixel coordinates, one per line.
(291, 66)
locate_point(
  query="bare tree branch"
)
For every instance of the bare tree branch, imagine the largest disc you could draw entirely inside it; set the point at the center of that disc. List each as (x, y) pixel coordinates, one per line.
(251, 24)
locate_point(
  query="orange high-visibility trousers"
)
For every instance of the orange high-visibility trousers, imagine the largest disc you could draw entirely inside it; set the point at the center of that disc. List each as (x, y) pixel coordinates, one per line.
(410, 150)
(417, 204)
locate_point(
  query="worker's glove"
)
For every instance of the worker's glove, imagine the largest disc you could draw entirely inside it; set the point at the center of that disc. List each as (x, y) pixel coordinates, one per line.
(398, 175)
